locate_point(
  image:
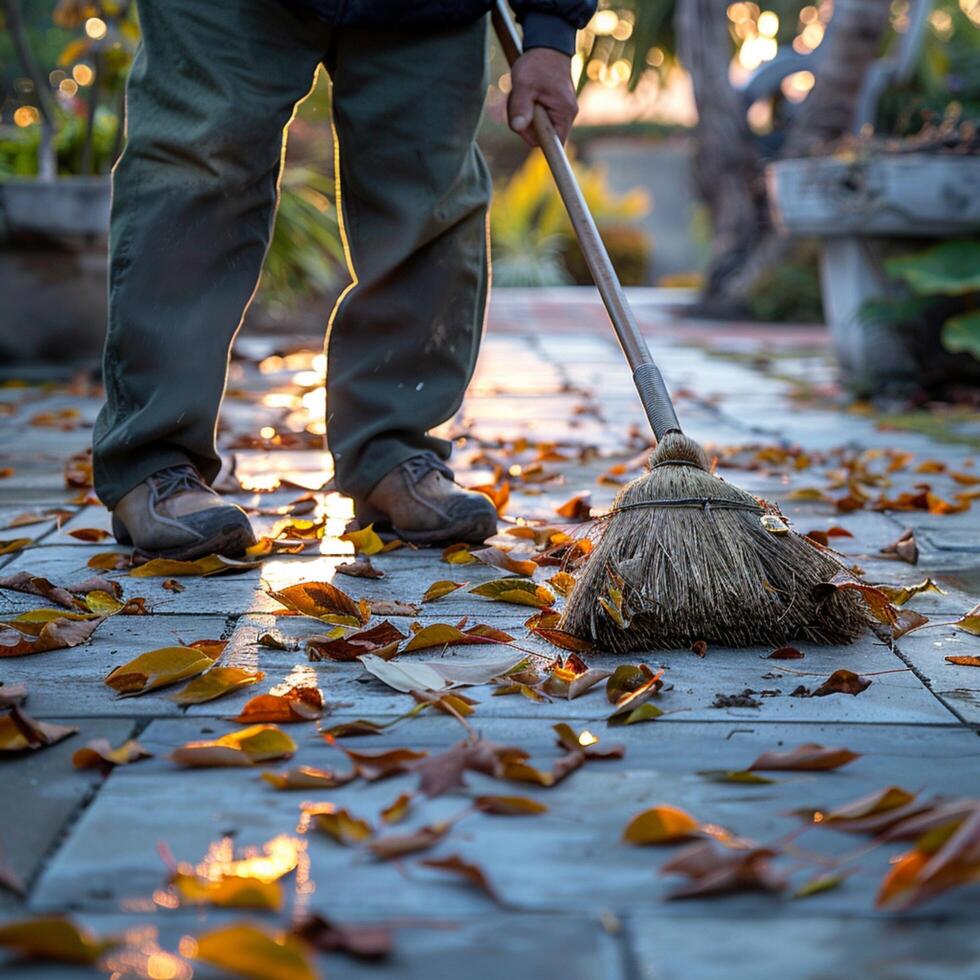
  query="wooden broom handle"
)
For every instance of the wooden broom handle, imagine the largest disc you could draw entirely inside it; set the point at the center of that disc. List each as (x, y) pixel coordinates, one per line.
(649, 382)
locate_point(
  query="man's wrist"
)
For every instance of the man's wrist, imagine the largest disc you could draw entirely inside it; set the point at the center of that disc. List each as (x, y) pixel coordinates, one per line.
(548, 31)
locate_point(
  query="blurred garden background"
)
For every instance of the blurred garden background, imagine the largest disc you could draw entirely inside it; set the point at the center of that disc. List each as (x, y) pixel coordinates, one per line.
(790, 162)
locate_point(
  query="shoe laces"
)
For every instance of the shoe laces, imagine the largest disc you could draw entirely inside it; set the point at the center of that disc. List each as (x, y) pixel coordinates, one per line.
(423, 464)
(169, 482)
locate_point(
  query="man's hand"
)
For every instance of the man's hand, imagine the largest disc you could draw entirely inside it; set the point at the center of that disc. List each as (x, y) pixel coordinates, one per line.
(542, 76)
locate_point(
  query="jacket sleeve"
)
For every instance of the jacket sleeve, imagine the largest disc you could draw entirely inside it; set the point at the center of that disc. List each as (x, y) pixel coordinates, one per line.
(552, 23)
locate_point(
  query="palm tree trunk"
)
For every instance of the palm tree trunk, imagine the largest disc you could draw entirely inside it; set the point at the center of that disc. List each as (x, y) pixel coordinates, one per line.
(728, 168)
(852, 44)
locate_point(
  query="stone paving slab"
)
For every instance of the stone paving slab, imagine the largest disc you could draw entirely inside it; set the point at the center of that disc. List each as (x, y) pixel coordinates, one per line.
(70, 682)
(567, 859)
(42, 793)
(808, 948)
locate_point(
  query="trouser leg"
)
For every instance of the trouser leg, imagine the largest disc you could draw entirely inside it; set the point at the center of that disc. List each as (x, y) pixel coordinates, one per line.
(403, 341)
(211, 91)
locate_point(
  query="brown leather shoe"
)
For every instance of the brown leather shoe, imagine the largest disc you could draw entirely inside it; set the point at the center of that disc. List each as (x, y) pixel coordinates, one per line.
(419, 502)
(175, 514)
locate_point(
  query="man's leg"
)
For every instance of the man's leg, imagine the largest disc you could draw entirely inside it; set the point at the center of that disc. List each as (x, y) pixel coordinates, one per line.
(403, 341)
(211, 91)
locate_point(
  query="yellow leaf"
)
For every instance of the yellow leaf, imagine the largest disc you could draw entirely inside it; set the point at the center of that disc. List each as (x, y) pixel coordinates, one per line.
(16, 544)
(216, 682)
(562, 582)
(523, 592)
(396, 811)
(258, 743)
(248, 950)
(325, 602)
(365, 540)
(99, 754)
(307, 777)
(340, 825)
(228, 892)
(158, 668)
(442, 588)
(54, 938)
(660, 825)
(458, 554)
(208, 565)
(970, 622)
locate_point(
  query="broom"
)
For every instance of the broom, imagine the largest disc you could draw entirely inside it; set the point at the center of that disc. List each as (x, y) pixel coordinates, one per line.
(682, 555)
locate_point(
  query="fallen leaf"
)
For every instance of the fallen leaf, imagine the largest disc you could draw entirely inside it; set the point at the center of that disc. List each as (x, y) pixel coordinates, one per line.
(518, 770)
(215, 683)
(301, 703)
(14, 544)
(661, 824)
(258, 743)
(585, 742)
(700, 648)
(964, 661)
(471, 873)
(785, 653)
(644, 712)
(520, 591)
(111, 561)
(499, 494)
(363, 940)
(103, 604)
(12, 694)
(898, 595)
(308, 777)
(873, 813)
(633, 686)
(381, 763)
(325, 602)
(571, 677)
(443, 635)
(172, 585)
(442, 588)
(806, 757)
(458, 554)
(824, 882)
(248, 950)
(509, 806)
(735, 776)
(339, 824)
(365, 540)
(89, 534)
(713, 870)
(437, 675)
(99, 754)
(969, 622)
(576, 508)
(842, 682)
(227, 891)
(35, 585)
(398, 845)
(611, 601)
(562, 583)
(54, 938)
(498, 558)
(905, 548)
(208, 565)
(158, 668)
(564, 640)
(19, 732)
(381, 640)
(57, 633)
(359, 569)
(397, 810)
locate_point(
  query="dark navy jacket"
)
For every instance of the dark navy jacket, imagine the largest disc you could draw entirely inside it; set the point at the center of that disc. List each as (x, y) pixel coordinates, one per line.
(546, 23)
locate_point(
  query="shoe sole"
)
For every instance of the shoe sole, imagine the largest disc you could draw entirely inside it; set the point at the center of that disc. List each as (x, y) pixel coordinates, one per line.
(232, 540)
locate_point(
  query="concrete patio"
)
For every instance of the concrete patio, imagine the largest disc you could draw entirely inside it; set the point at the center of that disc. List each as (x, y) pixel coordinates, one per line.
(575, 900)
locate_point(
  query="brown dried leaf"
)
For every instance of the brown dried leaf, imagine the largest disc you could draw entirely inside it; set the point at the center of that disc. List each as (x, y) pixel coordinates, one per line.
(295, 705)
(398, 845)
(99, 754)
(362, 940)
(373, 764)
(469, 872)
(842, 681)
(359, 569)
(442, 588)
(380, 640)
(807, 757)
(905, 548)
(19, 732)
(55, 634)
(308, 777)
(325, 602)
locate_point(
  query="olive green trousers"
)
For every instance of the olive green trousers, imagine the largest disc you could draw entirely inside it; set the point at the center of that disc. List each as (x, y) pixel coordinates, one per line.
(211, 94)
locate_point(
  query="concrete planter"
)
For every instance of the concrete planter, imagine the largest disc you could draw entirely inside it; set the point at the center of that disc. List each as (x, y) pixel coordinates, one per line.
(855, 206)
(53, 242)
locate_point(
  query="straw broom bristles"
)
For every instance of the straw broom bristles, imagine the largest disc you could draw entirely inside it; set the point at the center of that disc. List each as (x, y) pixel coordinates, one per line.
(693, 561)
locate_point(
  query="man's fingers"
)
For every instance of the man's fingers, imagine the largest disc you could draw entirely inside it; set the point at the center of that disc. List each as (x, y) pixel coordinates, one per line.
(520, 110)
